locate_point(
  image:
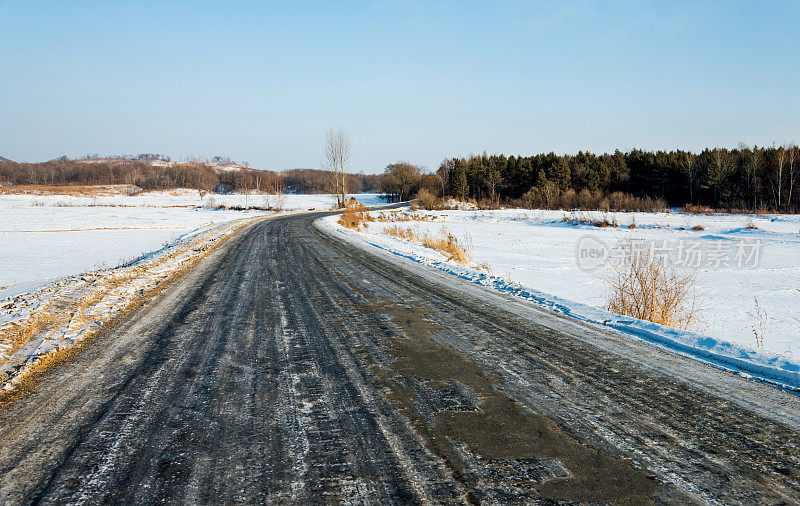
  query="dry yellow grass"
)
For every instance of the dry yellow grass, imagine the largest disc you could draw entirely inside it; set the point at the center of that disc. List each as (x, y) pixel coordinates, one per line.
(399, 216)
(17, 335)
(445, 242)
(448, 244)
(355, 215)
(697, 209)
(653, 290)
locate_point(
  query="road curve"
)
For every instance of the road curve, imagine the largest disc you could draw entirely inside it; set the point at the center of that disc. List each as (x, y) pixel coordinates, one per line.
(293, 367)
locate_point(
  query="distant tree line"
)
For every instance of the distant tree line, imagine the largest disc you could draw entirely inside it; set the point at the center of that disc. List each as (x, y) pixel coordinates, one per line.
(140, 171)
(320, 181)
(747, 178)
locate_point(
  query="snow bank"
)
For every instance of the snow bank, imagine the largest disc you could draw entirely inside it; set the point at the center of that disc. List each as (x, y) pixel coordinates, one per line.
(64, 312)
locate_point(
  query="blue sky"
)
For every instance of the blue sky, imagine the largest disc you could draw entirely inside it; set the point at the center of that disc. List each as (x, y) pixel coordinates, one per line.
(408, 80)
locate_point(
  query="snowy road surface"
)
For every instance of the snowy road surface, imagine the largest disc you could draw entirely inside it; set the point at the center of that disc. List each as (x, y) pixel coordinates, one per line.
(291, 366)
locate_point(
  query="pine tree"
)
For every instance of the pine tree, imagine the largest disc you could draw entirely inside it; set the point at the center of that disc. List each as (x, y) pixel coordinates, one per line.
(459, 186)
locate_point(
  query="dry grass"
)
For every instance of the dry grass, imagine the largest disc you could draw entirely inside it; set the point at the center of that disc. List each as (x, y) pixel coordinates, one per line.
(355, 215)
(761, 322)
(751, 225)
(653, 290)
(580, 218)
(448, 244)
(445, 242)
(66, 313)
(697, 209)
(399, 216)
(698, 228)
(17, 335)
(404, 233)
(48, 362)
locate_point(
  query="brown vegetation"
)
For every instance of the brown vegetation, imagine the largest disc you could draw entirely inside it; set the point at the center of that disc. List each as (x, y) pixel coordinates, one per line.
(580, 218)
(445, 242)
(652, 289)
(551, 197)
(697, 209)
(355, 215)
(395, 216)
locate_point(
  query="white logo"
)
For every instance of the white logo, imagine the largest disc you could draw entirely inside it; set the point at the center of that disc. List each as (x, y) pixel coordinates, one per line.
(591, 253)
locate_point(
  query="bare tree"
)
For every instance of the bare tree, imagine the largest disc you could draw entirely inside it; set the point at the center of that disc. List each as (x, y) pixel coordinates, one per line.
(276, 196)
(753, 162)
(754, 168)
(337, 155)
(689, 168)
(792, 155)
(722, 167)
(444, 173)
(780, 162)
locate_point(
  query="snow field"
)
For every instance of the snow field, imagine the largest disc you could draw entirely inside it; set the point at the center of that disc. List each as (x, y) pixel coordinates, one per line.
(45, 237)
(535, 254)
(70, 263)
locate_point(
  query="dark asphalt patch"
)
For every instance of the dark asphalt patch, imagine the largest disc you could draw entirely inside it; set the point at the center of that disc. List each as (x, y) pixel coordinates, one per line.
(541, 457)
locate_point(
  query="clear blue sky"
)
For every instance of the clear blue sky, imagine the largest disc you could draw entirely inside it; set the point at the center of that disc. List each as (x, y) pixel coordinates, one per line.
(410, 80)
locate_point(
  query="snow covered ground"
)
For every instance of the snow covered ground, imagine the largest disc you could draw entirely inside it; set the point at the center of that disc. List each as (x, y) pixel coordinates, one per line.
(535, 253)
(59, 280)
(45, 237)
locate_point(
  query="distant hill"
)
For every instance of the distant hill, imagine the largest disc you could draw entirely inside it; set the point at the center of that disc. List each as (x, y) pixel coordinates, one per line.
(4, 159)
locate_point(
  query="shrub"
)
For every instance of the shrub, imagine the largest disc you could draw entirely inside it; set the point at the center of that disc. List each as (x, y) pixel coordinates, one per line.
(427, 199)
(355, 215)
(652, 289)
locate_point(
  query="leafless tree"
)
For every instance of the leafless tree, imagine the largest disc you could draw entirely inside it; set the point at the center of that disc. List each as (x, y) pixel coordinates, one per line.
(276, 197)
(689, 168)
(493, 180)
(792, 155)
(777, 183)
(444, 171)
(722, 167)
(753, 161)
(754, 168)
(337, 155)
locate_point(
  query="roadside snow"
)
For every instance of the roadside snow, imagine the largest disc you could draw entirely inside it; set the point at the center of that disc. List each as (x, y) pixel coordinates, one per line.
(45, 237)
(533, 254)
(70, 263)
(64, 312)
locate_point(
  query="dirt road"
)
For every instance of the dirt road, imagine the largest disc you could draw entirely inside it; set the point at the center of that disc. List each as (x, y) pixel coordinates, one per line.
(290, 366)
